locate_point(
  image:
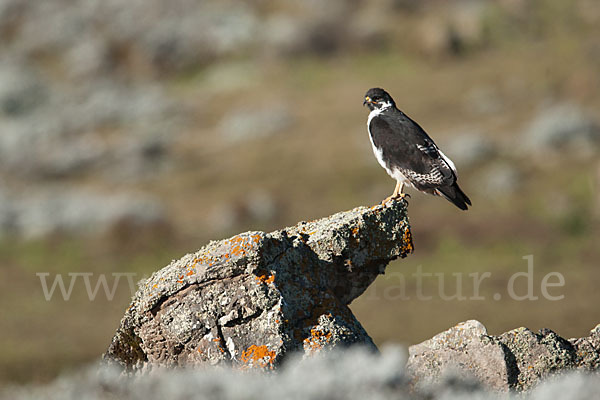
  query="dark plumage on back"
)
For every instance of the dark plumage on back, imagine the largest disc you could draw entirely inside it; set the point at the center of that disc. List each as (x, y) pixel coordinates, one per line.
(407, 152)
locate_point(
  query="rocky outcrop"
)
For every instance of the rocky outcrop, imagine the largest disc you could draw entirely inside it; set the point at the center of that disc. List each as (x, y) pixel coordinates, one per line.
(465, 347)
(253, 298)
(517, 359)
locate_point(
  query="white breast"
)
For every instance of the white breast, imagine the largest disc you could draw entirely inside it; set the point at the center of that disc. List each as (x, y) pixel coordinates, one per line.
(378, 153)
(395, 173)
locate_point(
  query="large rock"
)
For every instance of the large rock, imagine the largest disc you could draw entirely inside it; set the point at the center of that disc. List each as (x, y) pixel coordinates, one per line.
(252, 299)
(465, 347)
(515, 360)
(587, 350)
(536, 355)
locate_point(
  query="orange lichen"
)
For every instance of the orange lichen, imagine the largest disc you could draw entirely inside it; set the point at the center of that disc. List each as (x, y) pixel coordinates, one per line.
(236, 250)
(237, 239)
(264, 278)
(259, 356)
(407, 240)
(355, 230)
(317, 339)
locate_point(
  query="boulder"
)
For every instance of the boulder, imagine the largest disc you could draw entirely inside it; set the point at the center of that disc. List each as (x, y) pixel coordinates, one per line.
(465, 347)
(515, 360)
(536, 355)
(587, 350)
(250, 300)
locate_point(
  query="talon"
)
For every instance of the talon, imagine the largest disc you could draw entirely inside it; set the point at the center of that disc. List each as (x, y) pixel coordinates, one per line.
(397, 194)
(405, 197)
(402, 196)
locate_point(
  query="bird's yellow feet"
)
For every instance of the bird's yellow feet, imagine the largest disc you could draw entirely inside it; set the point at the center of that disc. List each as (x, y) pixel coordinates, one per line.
(394, 196)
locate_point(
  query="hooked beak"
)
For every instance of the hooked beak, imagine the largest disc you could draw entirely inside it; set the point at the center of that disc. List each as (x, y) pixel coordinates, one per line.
(367, 100)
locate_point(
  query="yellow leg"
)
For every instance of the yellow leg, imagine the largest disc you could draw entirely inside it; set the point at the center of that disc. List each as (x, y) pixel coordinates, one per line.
(397, 193)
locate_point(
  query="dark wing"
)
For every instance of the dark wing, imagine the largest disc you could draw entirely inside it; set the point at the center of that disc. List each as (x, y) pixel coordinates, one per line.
(406, 147)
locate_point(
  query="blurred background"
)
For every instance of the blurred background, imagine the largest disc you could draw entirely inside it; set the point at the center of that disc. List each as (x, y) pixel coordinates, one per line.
(132, 132)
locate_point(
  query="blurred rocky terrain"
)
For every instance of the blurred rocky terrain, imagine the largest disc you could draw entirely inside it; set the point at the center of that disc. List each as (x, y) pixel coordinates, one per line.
(90, 92)
(353, 374)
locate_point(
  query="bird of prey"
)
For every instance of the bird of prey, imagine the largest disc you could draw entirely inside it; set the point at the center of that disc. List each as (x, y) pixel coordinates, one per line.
(408, 154)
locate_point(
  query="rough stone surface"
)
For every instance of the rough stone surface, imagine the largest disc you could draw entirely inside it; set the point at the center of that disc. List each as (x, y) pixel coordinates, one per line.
(515, 360)
(465, 347)
(251, 299)
(587, 350)
(536, 355)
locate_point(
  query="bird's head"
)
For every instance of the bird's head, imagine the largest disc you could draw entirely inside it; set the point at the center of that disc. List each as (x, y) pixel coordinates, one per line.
(377, 99)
